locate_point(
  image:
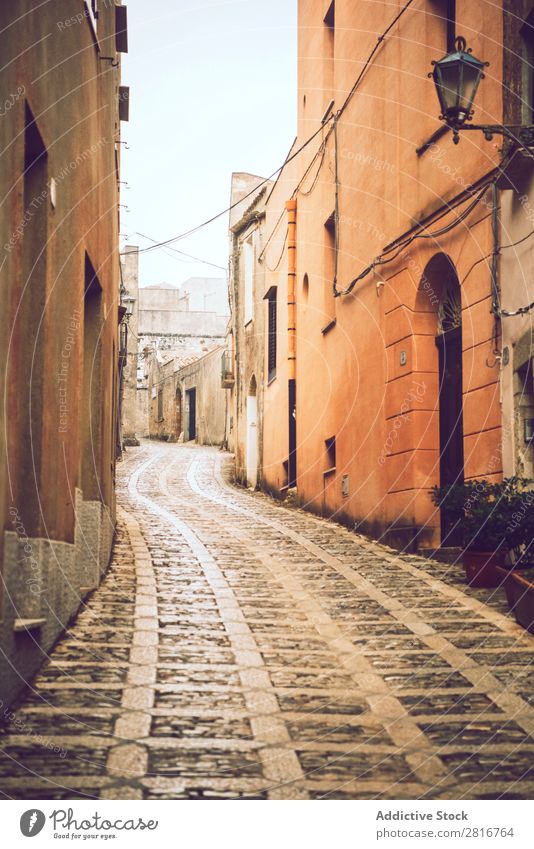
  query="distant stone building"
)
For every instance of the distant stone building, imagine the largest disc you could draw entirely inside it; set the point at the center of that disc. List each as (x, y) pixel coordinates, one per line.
(206, 294)
(133, 402)
(187, 401)
(59, 304)
(168, 323)
(244, 367)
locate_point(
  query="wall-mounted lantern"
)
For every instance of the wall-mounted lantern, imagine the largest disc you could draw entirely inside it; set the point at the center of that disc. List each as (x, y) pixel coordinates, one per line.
(128, 302)
(457, 77)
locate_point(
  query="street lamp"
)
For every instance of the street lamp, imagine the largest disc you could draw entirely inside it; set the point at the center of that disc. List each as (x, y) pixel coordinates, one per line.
(128, 302)
(456, 77)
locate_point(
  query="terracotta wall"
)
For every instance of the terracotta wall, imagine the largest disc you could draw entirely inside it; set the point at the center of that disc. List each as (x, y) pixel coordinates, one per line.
(350, 381)
(58, 234)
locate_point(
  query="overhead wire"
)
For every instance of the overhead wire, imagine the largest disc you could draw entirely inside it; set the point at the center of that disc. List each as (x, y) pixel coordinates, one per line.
(190, 256)
(232, 206)
(384, 257)
(334, 118)
(279, 260)
(371, 56)
(321, 151)
(289, 158)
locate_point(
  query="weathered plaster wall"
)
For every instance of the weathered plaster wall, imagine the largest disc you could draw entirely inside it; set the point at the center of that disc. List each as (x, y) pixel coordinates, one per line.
(48, 240)
(350, 381)
(129, 410)
(205, 376)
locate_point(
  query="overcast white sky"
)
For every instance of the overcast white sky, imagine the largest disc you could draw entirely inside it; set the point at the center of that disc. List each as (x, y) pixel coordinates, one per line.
(212, 90)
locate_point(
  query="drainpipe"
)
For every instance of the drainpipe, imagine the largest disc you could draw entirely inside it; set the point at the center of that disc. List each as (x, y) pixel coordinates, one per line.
(496, 251)
(495, 286)
(291, 207)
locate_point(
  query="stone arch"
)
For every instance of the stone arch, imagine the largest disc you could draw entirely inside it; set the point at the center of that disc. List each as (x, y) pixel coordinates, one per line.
(438, 282)
(439, 293)
(252, 435)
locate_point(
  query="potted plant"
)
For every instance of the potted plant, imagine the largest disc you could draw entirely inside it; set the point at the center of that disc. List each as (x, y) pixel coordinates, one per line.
(484, 514)
(518, 581)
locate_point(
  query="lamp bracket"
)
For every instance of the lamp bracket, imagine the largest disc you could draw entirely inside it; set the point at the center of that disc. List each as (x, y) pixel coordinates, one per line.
(111, 59)
(521, 134)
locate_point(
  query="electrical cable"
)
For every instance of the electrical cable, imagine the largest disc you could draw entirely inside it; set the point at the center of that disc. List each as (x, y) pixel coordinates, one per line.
(238, 202)
(273, 231)
(384, 258)
(279, 260)
(369, 59)
(190, 256)
(519, 311)
(336, 212)
(340, 111)
(320, 151)
(288, 159)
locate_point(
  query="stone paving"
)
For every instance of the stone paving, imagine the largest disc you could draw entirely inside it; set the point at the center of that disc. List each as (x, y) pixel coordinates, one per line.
(238, 648)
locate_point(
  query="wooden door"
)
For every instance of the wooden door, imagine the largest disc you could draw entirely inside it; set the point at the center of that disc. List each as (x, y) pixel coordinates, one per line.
(451, 431)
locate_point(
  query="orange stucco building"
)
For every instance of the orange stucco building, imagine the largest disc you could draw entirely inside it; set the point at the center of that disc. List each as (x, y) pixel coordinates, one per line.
(396, 379)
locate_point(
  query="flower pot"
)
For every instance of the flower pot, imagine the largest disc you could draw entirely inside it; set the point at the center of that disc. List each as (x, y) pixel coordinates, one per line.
(509, 585)
(481, 568)
(523, 594)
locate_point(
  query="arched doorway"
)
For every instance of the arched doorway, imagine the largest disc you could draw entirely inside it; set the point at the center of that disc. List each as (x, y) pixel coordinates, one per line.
(252, 435)
(178, 411)
(440, 285)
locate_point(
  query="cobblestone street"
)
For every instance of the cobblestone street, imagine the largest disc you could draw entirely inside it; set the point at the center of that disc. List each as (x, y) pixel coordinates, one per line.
(241, 649)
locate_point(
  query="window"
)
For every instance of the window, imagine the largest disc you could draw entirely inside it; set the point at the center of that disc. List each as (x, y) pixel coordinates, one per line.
(329, 53)
(305, 287)
(445, 12)
(524, 417)
(92, 13)
(160, 405)
(92, 401)
(28, 368)
(330, 445)
(121, 29)
(248, 257)
(271, 334)
(124, 103)
(527, 74)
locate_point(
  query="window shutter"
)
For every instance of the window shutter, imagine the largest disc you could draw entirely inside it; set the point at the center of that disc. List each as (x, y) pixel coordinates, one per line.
(121, 29)
(124, 103)
(272, 335)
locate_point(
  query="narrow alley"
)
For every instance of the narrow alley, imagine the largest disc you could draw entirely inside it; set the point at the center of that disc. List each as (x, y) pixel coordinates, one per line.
(238, 648)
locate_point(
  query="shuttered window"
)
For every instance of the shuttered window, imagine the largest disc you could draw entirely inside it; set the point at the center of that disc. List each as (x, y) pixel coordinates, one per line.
(271, 341)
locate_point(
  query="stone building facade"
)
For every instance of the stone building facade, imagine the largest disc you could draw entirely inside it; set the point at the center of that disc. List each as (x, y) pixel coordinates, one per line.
(168, 323)
(517, 248)
(243, 372)
(186, 399)
(59, 319)
(133, 402)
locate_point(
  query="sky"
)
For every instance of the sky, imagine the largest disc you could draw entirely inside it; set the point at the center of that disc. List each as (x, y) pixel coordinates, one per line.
(212, 90)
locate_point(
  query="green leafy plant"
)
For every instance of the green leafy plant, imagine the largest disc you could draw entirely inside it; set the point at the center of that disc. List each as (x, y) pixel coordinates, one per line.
(492, 516)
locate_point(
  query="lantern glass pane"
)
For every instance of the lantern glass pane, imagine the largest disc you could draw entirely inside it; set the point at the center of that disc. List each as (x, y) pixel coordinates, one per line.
(470, 80)
(450, 82)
